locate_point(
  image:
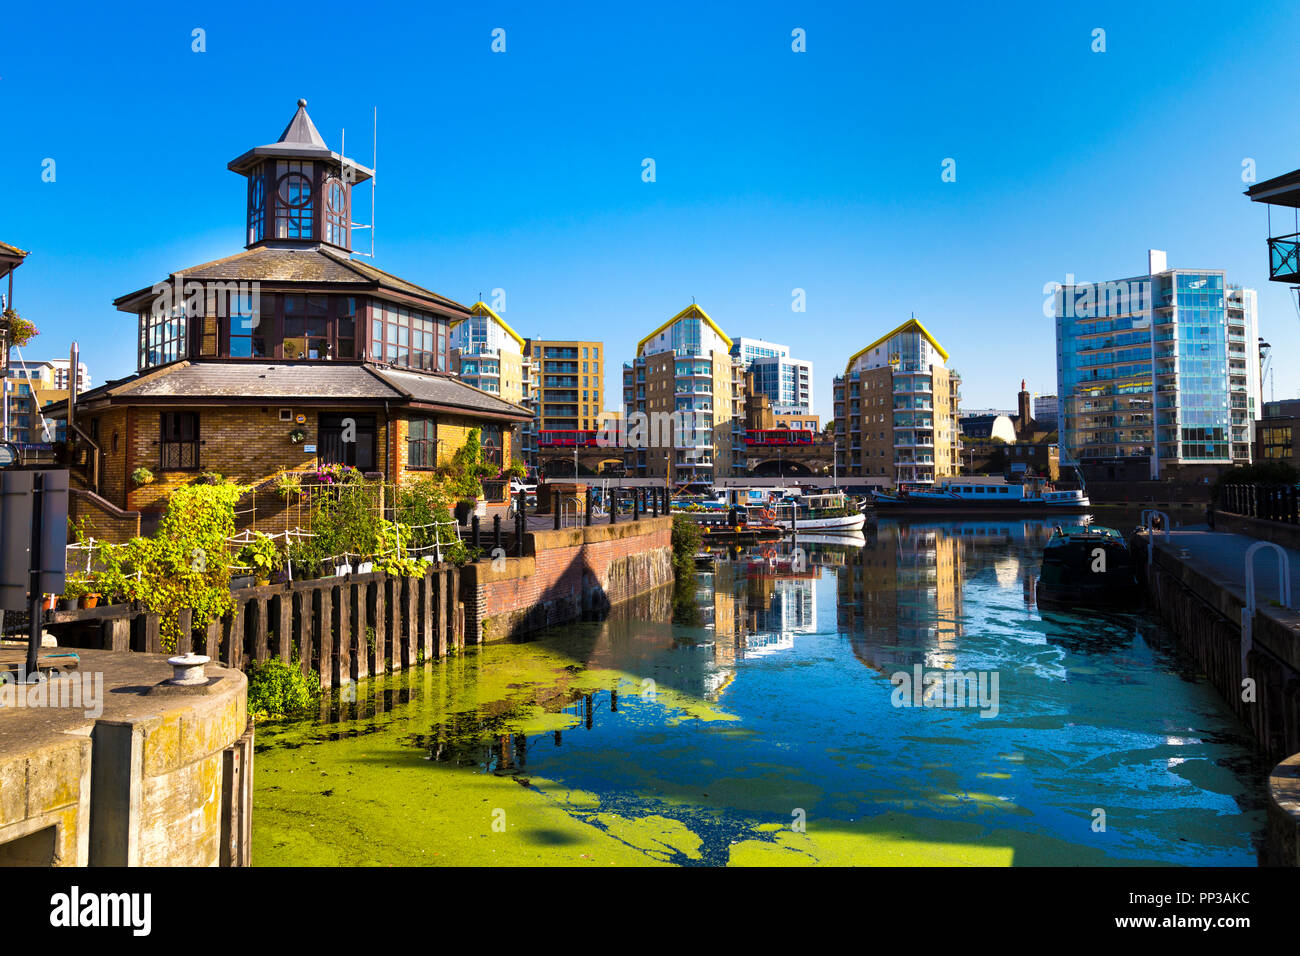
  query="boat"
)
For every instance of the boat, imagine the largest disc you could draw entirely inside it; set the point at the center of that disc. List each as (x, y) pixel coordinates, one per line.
(1088, 565)
(982, 496)
(831, 512)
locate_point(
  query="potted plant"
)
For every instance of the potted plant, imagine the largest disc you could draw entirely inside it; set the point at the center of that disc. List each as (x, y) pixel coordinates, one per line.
(75, 587)
(262, 556)
(19, 330)
(297, 436)
(142, 476)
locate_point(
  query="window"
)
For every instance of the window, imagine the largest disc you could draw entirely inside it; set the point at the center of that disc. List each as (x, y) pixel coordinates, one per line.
(336, 213)
(408, 338)
(490, 436)
(247, 334)
(257, 205)
(294, 209)
(178, 441)
(162, 337)
(422, 444)
(306, 327)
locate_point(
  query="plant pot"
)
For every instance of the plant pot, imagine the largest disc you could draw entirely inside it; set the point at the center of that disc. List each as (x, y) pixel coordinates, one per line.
(463, 510)
(88, 601)
(243, 581)
(280, 577)
(67, 604)
(47, 603)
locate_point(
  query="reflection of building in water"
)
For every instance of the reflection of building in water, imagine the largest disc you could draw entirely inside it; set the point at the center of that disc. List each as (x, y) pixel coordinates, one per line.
(906, 592)
(760, 604)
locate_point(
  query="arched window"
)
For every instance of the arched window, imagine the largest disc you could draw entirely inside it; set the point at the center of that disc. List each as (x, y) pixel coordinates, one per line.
(294, 208)
(336, 213)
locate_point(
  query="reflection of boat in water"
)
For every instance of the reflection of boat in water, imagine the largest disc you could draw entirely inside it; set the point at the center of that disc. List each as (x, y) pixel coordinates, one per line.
(1088, 565)
(971, 496)
(734, 525)
(840, 539)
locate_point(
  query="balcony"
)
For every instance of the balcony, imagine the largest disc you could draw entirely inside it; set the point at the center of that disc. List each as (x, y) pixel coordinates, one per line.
(1284, 258)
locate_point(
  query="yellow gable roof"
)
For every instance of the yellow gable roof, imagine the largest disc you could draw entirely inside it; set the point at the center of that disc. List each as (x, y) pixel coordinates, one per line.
(482, 308)
(692, 311)
(911, 325)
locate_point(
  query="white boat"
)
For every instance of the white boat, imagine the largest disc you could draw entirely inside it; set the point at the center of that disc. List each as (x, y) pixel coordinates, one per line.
(832, 512)
(967, 495)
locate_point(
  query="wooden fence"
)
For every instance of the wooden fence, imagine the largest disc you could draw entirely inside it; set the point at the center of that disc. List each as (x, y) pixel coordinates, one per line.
(344, 628)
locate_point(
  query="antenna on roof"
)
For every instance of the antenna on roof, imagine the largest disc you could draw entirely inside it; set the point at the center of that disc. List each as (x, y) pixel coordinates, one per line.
(374, 163)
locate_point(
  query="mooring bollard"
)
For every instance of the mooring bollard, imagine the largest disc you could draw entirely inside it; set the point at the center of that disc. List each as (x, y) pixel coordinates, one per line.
(187, 669)
(586, 515)
(668, 502)
(474, 532)
(496, 531)
(613, 507)
(555, 510)
(654, 501)
(521, 525)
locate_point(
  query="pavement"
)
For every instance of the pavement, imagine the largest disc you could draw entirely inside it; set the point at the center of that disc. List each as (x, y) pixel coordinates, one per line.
(1224, 556)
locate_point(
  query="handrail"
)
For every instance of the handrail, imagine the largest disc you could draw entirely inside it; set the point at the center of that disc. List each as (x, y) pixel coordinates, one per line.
(1249, 608)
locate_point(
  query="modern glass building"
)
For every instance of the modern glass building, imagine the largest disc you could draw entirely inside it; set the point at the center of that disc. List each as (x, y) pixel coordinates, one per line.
(1162, 367)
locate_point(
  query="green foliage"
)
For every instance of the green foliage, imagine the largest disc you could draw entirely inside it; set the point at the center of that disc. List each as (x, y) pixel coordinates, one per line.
(142, 476)
(288, 485)
(468, 468)
(277, 689)
(516, 469)
(261, 556)
(113, 580)
(185, 565)
(346, 520)
(424, 506)
(687, 538)
(76, 585)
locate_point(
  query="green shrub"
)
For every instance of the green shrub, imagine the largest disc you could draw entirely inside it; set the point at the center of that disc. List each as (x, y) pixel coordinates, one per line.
(277, 689)
(687, 538)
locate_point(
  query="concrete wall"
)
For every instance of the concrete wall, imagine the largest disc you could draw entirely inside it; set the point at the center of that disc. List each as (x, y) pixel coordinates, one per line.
(565, 575)
(159, 778)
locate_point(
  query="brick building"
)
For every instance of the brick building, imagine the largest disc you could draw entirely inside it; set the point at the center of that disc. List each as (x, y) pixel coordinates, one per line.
(286, 356)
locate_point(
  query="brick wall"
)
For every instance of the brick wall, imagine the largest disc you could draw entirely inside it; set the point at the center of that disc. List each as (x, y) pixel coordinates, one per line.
(564, 576)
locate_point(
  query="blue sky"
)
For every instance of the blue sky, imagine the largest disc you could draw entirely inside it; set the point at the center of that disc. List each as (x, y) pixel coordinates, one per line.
(775, 170)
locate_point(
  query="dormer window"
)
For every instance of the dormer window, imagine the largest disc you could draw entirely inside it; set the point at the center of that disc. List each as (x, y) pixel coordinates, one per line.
(294, 208)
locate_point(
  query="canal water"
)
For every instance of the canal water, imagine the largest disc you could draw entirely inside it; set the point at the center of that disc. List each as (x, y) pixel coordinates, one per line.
(782, 708)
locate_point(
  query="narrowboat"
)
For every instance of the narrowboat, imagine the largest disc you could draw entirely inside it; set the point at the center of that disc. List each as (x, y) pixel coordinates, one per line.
(969, 496)
(1087, 565)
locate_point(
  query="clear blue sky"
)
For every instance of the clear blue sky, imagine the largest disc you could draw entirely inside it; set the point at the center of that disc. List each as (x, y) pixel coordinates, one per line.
(775, 170)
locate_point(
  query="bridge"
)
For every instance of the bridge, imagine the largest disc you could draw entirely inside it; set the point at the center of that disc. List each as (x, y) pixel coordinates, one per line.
(562, 454)
(785, 452)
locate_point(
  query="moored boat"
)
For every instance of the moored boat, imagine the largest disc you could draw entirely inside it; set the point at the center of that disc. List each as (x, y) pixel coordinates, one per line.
(816, 513)
(1088, 565)
(970, 496)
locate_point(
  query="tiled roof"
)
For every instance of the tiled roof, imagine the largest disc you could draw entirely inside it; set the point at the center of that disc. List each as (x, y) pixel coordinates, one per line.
(8, 250)
(325, 381)
(309, 265)
(445, 390)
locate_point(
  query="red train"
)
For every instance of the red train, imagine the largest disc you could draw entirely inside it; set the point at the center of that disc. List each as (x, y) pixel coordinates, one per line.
(567, 439)
(780, 436)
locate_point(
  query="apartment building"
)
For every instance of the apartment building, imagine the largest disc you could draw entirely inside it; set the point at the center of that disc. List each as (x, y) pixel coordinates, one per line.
(896, 410)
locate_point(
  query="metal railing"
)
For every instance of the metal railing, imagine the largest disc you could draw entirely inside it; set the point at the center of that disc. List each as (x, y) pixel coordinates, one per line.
(1270, 502)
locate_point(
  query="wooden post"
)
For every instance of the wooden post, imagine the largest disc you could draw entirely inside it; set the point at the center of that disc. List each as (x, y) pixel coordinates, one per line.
(453, 593)
(152, 640)
(360, 643)
(212, 640)
(116, 634)
(380, 625)
(411, 644)
(342, 667)
(232, 640)
(259, 624)
(440, 618)
(426, 614)
(325, 634)
(302, 628)
(284, 625)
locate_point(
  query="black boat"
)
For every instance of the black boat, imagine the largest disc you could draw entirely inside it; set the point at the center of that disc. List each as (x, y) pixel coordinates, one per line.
(1088, 565)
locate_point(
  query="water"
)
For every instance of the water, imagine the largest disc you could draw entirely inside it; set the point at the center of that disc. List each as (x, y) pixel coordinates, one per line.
(750, 718)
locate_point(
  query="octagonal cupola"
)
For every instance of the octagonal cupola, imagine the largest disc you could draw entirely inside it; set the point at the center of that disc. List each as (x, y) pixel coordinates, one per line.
(299, 190)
